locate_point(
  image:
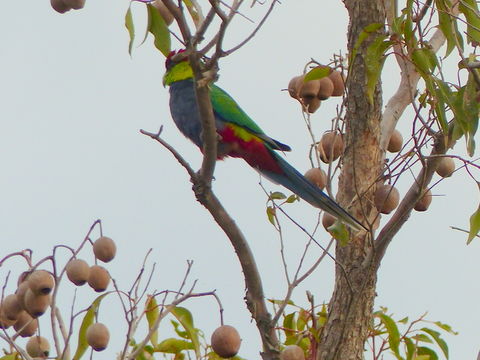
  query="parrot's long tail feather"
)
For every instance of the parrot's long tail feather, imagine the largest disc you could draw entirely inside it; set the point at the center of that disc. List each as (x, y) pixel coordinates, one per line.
(296, 182)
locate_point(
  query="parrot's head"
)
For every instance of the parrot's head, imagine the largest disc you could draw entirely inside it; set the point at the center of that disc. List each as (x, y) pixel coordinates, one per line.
(177, 67)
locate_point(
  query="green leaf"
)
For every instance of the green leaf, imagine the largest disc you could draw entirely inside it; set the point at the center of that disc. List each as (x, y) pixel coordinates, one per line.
(474, 224)
(432, 355)
(440, 342)
(186, 319)
(469, 8)
(271, 215)
(292, 198)
(393, 333)
(10, 357)
(445, 327)
(339, 232)
(152, 312)
(130, 28)
(289, 323)
(423, 60)
(317, 73)
(173, 346)
(280, 302)
(366, 32)
(88, 320)
(411, 348)
(374, 60)
(422, 338)
(403, 321)
(448, 25)
(277, 195)
(159, 29)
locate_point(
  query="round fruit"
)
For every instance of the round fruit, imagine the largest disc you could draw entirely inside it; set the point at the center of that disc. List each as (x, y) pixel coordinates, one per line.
(330, 146)
(386, 198)
(75, 4)
(4, 322)
(225, 341)
(98, 279)
(11, 307)
(163, 10)
(310, 89)
(41, 282)
(446, 167)
(338, 83)
(424, 203)
(326, 88)
(104, 249)
(396, 142)
(328, 220)
(59, 6)
(98, 336)
(317, 177)
(77, 271)
(294, 86)
(26, 326)
(21, 290)
(311, 104)
(38, 346)
(292, 352)
(36, 305)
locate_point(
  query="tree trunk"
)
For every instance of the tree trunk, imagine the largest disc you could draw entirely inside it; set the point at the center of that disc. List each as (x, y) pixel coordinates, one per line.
(351, 305)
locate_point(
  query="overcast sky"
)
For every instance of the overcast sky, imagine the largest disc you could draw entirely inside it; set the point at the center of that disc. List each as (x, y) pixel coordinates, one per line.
(72, 103)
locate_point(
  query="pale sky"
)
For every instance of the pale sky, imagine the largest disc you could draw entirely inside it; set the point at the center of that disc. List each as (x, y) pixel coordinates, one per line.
(73, 102)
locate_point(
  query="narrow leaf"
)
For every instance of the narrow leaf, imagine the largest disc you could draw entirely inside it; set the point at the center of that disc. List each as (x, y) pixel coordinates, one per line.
(445, 327)
(393, 333)
(173, 346)
(317, 73)
(339, 232)
(474, 224)
(131, 29)
(159, 30)
(421, 350)
(152, 312)
(87, 321)
(271, 215)
(277, 195)
(186, 319)
(440, 342)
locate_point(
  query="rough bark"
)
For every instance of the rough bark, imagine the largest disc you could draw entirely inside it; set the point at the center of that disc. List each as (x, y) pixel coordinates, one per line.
(351, 305)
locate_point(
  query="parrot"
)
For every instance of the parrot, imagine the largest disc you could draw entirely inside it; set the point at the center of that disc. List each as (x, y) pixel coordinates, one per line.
(240, 137)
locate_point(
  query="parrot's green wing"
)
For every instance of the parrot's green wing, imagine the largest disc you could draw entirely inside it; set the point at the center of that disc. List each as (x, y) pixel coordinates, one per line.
(228, 110)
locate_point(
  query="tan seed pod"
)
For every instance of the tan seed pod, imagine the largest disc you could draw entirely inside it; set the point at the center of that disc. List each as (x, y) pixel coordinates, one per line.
(294, 86)
(38, 346)
(311, 104)
(20, 292)
(104, 249)
(41, 282)
(4, 322)
(317, 177)
(75, 4)
(386, 198)
(22, 277)
(330, 146)
(36, 305)
(98, 279)
(98, 336)
(292, 352)
(164, 12)
(446, 167)
(225, 341)
(338, 83)
(59, 6)
(328, 220)
(309, 89)
(26, 326)
(326, 88)
(77, 271)
(11, 307)
(424, 203)
(396, 142)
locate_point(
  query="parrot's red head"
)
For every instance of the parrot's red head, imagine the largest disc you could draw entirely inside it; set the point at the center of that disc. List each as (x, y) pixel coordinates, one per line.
(174, 57)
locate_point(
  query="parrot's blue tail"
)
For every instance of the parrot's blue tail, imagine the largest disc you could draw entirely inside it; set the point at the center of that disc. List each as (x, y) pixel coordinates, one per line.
(296, 182)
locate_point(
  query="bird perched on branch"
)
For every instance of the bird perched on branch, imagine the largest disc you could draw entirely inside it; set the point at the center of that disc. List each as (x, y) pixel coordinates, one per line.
(240, 136)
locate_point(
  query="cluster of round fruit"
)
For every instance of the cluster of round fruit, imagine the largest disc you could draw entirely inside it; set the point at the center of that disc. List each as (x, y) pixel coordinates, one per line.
(33, 297)
(311, 93)
(62, 6)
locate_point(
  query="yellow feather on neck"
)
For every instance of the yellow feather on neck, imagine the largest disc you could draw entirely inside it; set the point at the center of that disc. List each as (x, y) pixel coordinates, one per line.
(181, 71)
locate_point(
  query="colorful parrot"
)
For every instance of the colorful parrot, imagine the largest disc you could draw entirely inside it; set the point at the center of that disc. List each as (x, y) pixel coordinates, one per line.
(241, 137)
